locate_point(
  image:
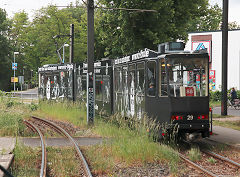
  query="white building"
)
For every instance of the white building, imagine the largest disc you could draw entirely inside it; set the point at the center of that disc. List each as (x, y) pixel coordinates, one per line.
(213, 42)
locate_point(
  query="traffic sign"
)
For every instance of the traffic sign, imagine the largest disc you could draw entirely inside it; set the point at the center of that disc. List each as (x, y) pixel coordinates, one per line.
(21, 79)
(14, 79)
(14, 66)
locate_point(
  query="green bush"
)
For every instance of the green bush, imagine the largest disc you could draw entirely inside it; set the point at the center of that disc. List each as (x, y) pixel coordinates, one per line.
(238, 94)
(215, 96)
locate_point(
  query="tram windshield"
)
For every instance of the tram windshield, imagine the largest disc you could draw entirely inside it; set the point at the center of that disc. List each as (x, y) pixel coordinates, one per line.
(186, 77)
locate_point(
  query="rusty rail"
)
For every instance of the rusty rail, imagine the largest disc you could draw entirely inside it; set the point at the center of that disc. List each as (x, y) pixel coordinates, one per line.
(62, 131)
(44, 153)
(197, 167)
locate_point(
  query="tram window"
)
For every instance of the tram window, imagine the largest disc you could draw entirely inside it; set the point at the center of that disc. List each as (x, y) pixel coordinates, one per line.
(187, 77)
(151, 78)
(118, 80)
(162, 78)
(98, 87)
(140, 79)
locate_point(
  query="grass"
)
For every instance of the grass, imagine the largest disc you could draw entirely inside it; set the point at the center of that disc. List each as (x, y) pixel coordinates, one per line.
(62, 162)
(214, 104)
(220, 116)
(26, 161)
(212, 160)
(11, 117)
(129, 142)
(194, 154)
(63, 111)
(229, 124)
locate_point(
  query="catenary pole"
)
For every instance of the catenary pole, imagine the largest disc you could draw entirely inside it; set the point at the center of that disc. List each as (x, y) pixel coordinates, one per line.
(90, 60)
(224, 57)
(71, 60)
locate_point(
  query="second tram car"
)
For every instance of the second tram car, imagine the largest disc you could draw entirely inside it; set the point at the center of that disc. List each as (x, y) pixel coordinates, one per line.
(170, 86)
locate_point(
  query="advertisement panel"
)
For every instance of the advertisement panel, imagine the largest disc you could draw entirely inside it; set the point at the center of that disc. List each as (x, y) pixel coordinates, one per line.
(201, 45)
(212, 80)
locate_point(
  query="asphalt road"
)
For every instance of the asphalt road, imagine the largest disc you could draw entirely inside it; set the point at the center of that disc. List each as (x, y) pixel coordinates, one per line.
(28, 94)
(231, 111)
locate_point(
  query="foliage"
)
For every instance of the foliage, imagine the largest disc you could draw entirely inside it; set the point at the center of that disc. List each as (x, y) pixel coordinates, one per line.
(123, 32)
(212, 160)
(194, 154)
(25, 161)
(210, 19)
(215, 95)
(233, 25)
(5, 63)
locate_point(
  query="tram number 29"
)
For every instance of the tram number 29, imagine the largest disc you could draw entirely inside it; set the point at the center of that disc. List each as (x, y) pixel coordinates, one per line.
(189, 117)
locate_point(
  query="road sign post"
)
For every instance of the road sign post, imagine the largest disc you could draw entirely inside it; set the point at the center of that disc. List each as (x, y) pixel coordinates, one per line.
(14, 53)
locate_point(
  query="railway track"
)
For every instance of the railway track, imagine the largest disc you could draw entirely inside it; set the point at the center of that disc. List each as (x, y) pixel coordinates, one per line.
(221, 167)
(63, 132)
(43, 145)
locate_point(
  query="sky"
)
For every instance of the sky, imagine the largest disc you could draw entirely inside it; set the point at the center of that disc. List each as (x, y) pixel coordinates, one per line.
(13, 6)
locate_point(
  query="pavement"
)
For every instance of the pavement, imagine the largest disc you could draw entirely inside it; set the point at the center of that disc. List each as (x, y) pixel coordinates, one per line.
(231, 111)
(61, 142)
(7, 145)
(226, 135)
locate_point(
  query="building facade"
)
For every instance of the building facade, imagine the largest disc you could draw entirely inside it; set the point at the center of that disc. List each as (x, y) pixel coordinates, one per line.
(212, 41)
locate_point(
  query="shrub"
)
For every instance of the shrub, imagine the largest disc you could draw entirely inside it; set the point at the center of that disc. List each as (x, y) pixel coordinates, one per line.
(215, 96)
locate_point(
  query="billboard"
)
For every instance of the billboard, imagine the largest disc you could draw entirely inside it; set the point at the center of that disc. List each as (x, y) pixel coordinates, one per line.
(201, 45)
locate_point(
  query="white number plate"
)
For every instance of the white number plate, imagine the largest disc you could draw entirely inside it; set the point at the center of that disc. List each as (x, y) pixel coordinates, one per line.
(189, 117)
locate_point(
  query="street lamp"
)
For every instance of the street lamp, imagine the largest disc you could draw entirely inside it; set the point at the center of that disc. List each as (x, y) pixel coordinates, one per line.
(65, 45)
(14, 68)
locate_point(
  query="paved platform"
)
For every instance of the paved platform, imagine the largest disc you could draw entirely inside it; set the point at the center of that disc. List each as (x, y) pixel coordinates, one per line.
(226, 135)
(61, 142)
(7, 145)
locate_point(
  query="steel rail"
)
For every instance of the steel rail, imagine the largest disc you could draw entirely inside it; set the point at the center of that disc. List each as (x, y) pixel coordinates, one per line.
(221, 158)
(44, 153)
(87, 170)
(198, 167)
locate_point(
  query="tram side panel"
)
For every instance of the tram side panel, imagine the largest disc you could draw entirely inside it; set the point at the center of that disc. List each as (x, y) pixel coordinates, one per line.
(55, 83)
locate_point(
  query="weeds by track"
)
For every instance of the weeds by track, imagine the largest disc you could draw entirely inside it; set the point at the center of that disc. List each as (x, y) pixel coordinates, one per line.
(65, 133)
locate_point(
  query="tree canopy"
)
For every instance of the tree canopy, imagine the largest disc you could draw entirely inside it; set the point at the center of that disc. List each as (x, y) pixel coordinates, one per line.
(5, 63)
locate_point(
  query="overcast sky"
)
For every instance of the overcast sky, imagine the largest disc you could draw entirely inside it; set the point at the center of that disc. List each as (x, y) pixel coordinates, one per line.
(13, 6)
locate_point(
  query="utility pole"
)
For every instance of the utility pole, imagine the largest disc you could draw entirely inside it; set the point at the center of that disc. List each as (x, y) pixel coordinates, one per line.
(90, 59)
(71, 60)
(71, 44)
(224, 57)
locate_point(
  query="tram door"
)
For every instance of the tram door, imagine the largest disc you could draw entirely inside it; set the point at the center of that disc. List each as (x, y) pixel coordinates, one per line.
(118, 90)
(140, 90)
(151, 88)
(132, 90)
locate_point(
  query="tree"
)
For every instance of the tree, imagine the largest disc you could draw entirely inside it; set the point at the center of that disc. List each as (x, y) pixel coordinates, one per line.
(5, 62)
(233, 25)
(210, 20)
(123, 32)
